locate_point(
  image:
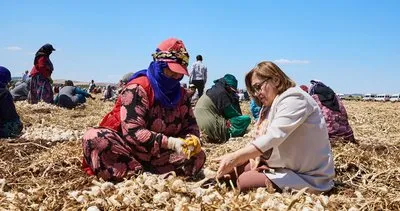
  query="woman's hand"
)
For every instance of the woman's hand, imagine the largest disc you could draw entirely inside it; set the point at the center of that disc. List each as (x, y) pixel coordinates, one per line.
(176, 144)
(229, 161)
(226, 164)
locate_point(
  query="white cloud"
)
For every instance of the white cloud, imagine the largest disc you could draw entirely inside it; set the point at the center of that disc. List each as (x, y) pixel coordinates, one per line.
(13, 48)
(288, 61)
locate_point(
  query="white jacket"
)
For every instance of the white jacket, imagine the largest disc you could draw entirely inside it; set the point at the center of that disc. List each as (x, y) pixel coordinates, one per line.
(297, 132)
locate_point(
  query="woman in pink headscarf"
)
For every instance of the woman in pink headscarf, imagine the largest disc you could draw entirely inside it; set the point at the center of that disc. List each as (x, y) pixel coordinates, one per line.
(149, 124)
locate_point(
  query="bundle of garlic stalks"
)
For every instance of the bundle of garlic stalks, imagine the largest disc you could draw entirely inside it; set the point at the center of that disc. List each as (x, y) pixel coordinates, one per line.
(42, 169)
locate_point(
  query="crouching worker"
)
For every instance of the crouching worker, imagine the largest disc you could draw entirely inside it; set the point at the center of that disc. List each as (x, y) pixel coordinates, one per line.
(108, 94)
(334, 112)
(218, 112)
(71, 96)
(20, 91)
(151, 127)
(254, 109)
(291, 148)
(10, 124)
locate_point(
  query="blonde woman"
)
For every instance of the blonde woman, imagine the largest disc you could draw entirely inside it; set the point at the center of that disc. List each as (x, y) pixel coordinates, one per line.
(291, 148)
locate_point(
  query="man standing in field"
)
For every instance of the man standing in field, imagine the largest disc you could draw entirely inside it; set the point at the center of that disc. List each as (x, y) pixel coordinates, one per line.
(92, 85)
(25, 76)
(198, 75)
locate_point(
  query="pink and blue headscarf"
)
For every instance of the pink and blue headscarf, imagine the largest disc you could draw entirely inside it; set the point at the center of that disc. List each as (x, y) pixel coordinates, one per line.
(167, 91)
(5, 77)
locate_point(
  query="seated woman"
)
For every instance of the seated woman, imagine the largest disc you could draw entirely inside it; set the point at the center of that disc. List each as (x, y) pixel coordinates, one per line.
(71, 96)
(20, 91)
(108, 93)
(218, 112)
(124, 80)
(10, 124)
(151, 124)
(193, 93)
(333, 110)
(291, 148)
(241, 95)
(91, 87)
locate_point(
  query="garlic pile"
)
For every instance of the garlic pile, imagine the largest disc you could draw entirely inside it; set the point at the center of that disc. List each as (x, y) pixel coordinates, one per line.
(51, 134)
(39, 105)
(50, 177)
(153, 192)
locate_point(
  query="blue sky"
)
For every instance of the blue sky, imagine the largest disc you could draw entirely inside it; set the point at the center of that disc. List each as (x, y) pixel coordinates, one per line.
(352, 46)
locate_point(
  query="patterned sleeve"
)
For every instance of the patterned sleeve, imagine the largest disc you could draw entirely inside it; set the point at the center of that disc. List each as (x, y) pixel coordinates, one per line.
(134, 111)
(189, 125)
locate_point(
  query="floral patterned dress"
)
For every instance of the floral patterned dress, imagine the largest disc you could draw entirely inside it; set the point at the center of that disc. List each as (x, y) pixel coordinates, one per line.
(337, 122)
(141, 145)
(40, 85)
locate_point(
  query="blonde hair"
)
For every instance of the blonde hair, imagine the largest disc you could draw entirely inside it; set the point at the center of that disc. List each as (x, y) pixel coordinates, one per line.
(265, 70)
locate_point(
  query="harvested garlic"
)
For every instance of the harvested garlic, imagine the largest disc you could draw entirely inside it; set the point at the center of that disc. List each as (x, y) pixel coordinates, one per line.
(81, 199)
(95, 191)
(160, 198)
(93, 208)
(74, 194)
(107, 186)
(178, 186)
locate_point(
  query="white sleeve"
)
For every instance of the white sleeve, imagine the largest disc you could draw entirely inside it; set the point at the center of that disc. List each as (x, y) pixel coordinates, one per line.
(291, 112)
(191, 74)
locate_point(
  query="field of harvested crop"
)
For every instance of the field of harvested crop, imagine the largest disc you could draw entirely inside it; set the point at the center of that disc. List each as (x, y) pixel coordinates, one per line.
(42, 169)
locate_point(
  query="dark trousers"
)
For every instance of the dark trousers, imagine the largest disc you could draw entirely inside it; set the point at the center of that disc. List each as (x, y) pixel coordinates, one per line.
(199, 84)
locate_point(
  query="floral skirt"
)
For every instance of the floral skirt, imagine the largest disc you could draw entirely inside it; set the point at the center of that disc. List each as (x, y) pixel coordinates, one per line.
(111, 158)
(40, 89)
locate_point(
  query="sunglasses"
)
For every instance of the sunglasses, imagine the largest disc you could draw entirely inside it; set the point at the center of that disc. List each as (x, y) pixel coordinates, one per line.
(258, 86)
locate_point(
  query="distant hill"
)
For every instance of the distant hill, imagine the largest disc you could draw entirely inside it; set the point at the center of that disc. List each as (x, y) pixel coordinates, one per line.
(16, 78)
(82, 83)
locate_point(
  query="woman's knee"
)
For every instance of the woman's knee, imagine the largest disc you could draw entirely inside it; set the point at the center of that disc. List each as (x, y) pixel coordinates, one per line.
(107, 156)
(252, 179)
